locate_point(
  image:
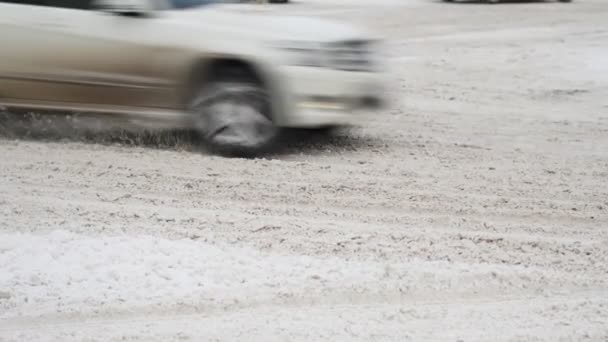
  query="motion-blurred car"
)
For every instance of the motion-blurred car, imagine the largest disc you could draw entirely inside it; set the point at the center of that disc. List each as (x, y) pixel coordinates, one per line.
(236, 78)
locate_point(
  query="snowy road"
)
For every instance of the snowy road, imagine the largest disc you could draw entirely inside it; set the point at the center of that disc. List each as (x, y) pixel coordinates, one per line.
(475, 209)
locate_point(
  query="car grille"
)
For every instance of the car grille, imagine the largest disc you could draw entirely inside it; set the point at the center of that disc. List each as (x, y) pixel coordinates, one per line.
(353, 55)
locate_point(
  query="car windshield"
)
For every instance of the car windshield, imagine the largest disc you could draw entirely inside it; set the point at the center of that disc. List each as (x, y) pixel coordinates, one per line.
(179, 4)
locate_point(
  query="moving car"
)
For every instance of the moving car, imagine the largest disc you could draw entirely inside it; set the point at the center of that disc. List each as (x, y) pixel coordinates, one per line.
(238, 78)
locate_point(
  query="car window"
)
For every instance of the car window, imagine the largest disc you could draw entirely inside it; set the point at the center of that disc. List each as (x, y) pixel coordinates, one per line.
(181, 4)
(30, 2)
(75, 4)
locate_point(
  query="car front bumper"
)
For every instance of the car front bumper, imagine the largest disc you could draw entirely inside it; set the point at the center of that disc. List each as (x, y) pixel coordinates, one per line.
(316, 97)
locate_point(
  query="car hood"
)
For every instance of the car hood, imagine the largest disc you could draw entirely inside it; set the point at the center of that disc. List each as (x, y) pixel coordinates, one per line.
(263, 25)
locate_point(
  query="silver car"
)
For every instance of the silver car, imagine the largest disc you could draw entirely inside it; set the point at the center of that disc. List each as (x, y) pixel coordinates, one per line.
(238, 78)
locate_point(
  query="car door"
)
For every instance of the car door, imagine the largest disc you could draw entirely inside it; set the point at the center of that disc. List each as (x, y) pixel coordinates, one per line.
(66, 51)
(22, 48)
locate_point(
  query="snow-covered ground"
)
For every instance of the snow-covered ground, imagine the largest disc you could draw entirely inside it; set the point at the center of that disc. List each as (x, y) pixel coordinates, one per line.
(475, 209)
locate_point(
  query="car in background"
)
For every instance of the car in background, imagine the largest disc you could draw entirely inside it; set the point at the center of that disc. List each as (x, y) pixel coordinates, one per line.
(237, 78)
(256, 1)
(495, 1)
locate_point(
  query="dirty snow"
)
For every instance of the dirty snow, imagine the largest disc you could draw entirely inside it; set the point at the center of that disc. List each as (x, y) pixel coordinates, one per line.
(475, 209)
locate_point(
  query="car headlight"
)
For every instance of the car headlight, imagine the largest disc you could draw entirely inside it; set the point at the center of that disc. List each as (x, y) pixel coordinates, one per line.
(304, 53)
(348, 55)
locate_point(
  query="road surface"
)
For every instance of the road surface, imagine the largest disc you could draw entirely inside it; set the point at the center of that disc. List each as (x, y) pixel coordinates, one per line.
(474, 209)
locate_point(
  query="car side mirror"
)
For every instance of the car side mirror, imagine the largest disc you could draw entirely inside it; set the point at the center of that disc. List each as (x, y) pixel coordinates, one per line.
(132, 8)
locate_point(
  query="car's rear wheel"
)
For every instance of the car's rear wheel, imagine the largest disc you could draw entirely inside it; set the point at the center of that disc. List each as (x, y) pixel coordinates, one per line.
(234, 118)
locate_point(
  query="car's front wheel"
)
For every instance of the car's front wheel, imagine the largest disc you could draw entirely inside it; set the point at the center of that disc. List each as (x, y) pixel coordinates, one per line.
(234, 118)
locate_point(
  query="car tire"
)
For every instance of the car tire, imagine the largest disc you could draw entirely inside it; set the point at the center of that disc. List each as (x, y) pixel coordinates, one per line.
(234, 118)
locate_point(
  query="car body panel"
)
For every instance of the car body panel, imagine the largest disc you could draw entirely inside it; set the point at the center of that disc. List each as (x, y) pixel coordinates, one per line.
(63, 55)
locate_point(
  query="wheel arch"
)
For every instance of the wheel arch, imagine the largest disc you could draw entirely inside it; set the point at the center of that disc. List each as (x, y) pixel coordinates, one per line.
(205, 70)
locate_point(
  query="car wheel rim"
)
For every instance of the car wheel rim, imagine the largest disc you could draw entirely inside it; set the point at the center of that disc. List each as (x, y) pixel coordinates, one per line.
(236, 116)
(237, 125)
